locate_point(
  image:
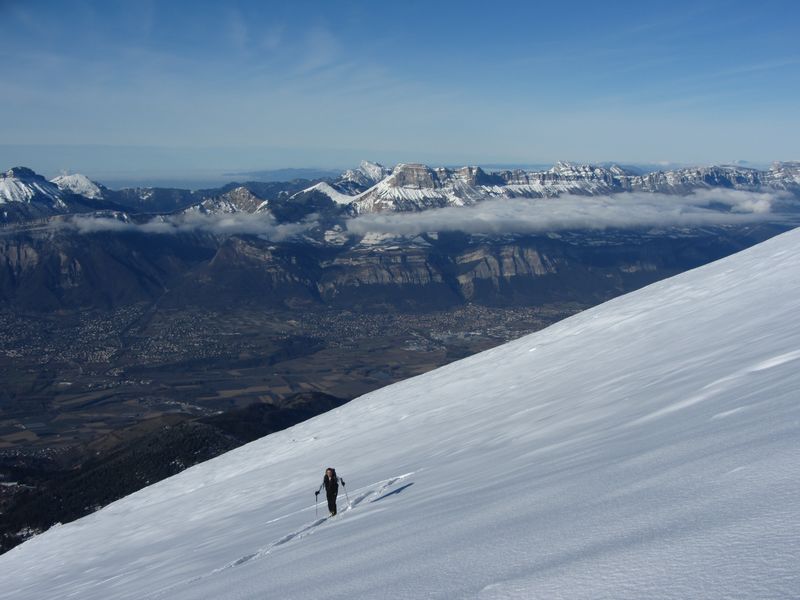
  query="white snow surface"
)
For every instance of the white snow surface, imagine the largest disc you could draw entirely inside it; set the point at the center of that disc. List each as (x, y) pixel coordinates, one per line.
(646, 448)
(13, 189)
(78, 184)
(333, 194)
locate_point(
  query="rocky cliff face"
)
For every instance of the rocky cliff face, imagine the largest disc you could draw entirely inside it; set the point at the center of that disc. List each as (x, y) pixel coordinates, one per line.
(69, 270)
(496, 267)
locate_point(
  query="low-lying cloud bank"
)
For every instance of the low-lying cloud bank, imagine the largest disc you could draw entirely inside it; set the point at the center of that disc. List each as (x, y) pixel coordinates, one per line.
(261, 224)
(495, 216)
(620, 211)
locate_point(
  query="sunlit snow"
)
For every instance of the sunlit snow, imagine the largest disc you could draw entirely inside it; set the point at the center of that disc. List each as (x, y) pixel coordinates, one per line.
(78, 184)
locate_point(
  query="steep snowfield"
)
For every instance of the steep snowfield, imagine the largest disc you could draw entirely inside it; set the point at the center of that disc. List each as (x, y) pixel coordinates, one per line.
(647, 448)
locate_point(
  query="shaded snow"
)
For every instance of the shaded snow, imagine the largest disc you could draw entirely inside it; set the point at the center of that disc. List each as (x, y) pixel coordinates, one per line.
(646, 448)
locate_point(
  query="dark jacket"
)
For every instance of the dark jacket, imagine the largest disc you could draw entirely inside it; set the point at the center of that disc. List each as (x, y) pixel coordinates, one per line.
(331, 484)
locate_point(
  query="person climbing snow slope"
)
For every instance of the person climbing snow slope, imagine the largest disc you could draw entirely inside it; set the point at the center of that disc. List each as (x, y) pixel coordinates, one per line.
(331, 484)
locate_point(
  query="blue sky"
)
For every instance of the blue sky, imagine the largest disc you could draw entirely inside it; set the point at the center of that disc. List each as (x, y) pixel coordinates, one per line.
(155, 87)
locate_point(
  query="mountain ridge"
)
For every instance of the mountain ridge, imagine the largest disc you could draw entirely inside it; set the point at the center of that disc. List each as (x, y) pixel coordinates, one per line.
(373, 188)
(413, 187)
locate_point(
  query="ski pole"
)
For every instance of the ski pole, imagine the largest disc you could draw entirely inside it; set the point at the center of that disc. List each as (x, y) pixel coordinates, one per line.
(316, 509)
(344, 487)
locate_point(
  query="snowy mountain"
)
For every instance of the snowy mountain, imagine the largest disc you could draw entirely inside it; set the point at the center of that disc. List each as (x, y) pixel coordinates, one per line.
(78, 184)
(372, 188)
(785, 175)
(23, 185)
(238, 200)
(364, 177)
(25, 195)
(416, 187)
(646, 448)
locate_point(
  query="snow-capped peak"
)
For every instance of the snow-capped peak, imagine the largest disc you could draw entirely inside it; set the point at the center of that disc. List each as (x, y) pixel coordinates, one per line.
(366, 175)
(24, 185)
(375, 171)
(23, 173)
(78, 184)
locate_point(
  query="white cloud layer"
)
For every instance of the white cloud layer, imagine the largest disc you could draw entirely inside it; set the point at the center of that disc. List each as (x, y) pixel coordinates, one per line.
(630, 210)
(497, 216)
(261, 224)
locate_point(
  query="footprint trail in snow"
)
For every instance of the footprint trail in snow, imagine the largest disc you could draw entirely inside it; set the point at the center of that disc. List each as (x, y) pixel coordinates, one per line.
(367, 494)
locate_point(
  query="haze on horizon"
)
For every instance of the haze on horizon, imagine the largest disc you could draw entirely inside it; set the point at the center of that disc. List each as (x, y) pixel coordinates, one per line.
(169, 88)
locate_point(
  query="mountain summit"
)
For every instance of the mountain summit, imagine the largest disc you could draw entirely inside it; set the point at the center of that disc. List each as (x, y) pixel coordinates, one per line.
(79, 184)
(23, 185)
(644, 448)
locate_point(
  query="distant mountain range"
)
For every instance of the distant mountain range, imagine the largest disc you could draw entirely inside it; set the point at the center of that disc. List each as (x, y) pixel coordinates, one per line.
(313, 243)
(372, 188)
(410, 187)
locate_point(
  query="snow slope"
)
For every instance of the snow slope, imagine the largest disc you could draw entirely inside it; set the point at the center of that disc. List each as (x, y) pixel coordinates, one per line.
(23, 185)
(646, 448)
(333, 194)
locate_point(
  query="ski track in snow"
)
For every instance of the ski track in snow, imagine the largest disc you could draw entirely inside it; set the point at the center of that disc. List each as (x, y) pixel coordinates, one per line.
(367, 494)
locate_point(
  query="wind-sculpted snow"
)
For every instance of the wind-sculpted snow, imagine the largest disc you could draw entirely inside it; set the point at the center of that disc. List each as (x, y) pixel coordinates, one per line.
(646, 448)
